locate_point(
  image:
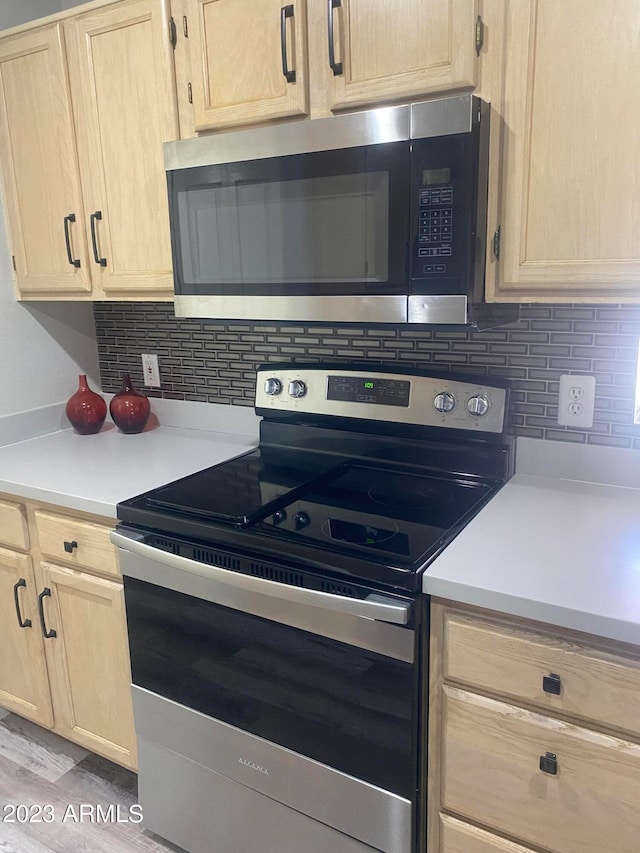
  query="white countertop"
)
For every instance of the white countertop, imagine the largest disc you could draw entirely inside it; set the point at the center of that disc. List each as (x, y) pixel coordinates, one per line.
(553, 548)
(92, 473)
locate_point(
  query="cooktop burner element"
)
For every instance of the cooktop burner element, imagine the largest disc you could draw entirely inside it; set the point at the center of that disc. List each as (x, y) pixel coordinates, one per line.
(346, 482)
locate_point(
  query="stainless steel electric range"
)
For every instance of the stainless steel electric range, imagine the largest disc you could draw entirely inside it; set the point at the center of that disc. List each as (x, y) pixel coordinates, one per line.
(278, 635)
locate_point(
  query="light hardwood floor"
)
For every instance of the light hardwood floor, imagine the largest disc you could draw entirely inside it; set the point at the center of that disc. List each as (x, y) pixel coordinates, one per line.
(38, 768)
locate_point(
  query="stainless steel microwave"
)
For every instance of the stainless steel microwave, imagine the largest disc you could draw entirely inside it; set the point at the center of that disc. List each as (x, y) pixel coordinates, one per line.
(370, 217)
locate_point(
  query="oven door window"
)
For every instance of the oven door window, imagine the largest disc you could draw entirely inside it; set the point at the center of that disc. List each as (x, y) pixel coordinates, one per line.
(346, 707)
(331, 222)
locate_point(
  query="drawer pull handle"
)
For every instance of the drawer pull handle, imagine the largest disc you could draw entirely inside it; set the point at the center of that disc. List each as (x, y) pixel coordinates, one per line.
(549, 763)
(69, 546)
(551, 684)
(45, 633)
(23, 623)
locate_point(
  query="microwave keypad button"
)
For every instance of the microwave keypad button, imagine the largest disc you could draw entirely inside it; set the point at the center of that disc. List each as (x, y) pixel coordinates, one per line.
(427, 268)
(440, 268)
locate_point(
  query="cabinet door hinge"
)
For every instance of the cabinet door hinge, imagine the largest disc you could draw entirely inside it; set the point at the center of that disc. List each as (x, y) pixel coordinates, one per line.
(496, 244)
(479, 34)
(13, 260)
(185, 26)
(190, 92)
(173, 33)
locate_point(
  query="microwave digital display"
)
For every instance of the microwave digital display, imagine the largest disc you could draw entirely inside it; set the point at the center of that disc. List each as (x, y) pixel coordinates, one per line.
(431, 177)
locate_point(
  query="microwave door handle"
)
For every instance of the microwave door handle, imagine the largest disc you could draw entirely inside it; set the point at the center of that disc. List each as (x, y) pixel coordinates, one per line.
(378, 607)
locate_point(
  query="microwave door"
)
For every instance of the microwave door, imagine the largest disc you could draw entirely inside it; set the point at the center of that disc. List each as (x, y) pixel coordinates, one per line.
(322, 225)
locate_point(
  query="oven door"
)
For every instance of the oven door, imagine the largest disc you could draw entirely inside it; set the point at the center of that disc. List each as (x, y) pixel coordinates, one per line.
(249, 236)
(292, 711)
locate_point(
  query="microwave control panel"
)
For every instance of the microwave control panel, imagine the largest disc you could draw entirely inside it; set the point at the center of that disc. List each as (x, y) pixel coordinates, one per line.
(448, 211)
(435, 228)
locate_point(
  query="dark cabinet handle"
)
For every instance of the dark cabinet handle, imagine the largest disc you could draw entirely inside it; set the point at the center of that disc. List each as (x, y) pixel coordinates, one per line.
(69, 546)
(549, 763)
(67, 239)
(336, 67)
(26, 623)
(94, 239)
(286, 12)
(46, 634)
(551, 684)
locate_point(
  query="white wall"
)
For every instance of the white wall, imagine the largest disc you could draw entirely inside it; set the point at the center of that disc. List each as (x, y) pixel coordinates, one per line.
(43, 345)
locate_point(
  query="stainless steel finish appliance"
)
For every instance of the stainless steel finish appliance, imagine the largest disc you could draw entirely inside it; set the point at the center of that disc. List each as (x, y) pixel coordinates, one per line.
(377, 216)
(277, 631)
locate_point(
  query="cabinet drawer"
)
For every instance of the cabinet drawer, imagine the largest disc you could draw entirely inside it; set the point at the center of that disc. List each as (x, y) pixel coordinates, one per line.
(459, 837)
(595, 686)
(13, 526)
(92, 548)
(491, 774)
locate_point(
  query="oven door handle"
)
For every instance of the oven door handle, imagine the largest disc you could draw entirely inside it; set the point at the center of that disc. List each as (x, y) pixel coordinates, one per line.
(382, 608)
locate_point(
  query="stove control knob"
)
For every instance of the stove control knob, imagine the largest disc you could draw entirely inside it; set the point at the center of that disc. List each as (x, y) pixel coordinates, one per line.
(444, 402)
(300, 520)
(478, 405)
(272, 386)
(279, 516)
(297, 388)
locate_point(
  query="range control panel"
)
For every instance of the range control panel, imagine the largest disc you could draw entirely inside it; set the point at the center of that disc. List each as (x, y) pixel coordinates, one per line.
(391, 397)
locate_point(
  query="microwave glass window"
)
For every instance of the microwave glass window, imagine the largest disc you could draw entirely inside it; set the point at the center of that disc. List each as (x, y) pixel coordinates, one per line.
(320, 229)
(433, 177)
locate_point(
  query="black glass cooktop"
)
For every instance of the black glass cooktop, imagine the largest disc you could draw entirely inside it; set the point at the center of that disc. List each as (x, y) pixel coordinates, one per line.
(377, 512)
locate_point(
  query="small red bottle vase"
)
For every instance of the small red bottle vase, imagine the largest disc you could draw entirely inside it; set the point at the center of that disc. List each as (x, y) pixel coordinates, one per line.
(85, 409)
(129, 408)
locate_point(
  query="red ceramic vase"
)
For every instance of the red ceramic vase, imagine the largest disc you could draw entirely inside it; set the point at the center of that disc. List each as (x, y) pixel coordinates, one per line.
(85, 409)
(129, 408)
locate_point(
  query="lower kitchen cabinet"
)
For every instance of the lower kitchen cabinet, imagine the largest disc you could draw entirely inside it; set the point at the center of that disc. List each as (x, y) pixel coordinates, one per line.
(65, 661)
(459, 837)
(534, 738)
(24, 686)
(89, 662)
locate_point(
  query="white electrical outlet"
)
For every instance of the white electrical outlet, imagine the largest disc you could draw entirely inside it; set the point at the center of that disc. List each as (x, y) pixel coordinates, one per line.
(151, 370)
(576, 400)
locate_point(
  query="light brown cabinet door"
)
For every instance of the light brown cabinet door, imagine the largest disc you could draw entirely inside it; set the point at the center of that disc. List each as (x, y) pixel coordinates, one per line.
(571, 183)
(24, 684)
(459, 837)
(89, 662)
(584, 797)
(237, 63)
(399, 48)
(40, 166)
(123, 87)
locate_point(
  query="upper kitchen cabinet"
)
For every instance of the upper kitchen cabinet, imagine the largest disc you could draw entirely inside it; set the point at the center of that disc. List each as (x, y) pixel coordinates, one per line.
(86, 104)
(248, 59)
(254, 60)
(40, 166)
(570, 219)
(123, 90)
(389, 49)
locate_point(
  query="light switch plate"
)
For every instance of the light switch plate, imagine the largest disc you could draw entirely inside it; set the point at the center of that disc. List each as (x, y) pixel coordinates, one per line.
(576, 400)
